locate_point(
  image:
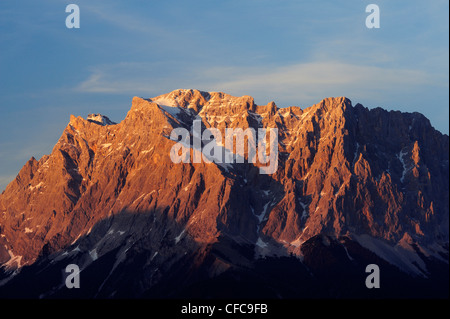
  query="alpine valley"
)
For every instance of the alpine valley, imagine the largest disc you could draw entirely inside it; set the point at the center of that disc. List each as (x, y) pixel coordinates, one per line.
(354, 186)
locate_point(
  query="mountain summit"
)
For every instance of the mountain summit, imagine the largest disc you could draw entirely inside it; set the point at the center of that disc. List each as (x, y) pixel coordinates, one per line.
(353, 187)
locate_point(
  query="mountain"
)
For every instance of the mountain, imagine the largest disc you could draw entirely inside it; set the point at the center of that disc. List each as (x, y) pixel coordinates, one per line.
(352, 187)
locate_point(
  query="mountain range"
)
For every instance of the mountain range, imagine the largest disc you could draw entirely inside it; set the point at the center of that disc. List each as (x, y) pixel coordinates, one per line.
(354, 186)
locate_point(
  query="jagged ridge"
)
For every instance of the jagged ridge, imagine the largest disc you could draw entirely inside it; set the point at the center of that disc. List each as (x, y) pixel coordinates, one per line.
(379, 178)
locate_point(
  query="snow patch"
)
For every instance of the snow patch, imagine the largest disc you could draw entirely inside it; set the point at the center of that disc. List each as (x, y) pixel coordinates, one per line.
(298, 242)
(93, 254)
(139, 198)
(76, 249)
(405, 169)
(14, 261)
(100, 119)
(37, 186)
(187, 187)
(164, 102)
(172, 110)
(178, 238)
(263, 213)
(356, 154)
(147, 151)
(261, 243)
(339, 190)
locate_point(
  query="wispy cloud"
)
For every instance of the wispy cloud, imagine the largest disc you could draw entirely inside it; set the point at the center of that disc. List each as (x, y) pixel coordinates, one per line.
(316, 79)
(124, 77)
(120, 18)
(296, 82)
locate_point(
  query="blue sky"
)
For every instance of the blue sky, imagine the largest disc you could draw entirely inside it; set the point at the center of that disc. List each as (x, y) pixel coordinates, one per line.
(291, 52)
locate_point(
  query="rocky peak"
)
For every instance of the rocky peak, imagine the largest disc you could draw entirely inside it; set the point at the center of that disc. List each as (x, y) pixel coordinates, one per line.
(100, 119)
(224, 104)
(185, 98)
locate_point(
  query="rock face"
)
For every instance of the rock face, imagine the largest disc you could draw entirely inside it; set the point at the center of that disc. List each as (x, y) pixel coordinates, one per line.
(353, 186)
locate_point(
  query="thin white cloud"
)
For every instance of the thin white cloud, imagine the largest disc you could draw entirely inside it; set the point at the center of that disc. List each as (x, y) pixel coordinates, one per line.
(313, 81)
(129, 78)
(118, 17)
(302, 81)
